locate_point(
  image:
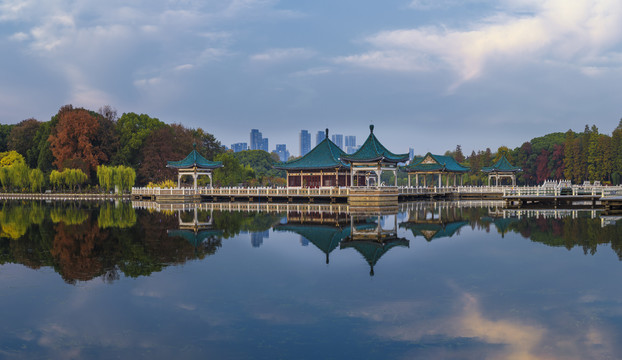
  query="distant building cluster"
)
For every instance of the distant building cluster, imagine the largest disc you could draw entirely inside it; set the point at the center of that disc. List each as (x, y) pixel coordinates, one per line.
(346, 143)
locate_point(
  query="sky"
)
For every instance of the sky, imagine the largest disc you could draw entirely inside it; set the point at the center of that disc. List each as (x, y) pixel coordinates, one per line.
(428, 74)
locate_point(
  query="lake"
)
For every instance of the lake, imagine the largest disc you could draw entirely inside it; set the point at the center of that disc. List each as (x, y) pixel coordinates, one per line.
(463, 280)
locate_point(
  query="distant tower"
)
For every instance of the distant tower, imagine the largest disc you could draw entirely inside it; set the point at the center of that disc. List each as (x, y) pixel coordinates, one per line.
(338, 140)
(350, 144)
(321, 135)
(281, 149)
(305, 142)
(264, 144)
(256, 139)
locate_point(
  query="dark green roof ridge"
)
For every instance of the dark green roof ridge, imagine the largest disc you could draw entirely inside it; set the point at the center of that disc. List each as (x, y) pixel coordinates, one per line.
(441, 163)
(502, 165)
(194, 159)
(373, 150)
(324, 155)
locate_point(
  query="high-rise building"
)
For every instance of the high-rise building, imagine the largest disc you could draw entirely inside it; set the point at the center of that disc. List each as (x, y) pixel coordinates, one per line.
(237, 147)
(264, 144)
(321, 135)
(305, 142)
(281, 150)
(338, 140)
(350, 144)
(411, 154)
(257, 238)
(255, 139)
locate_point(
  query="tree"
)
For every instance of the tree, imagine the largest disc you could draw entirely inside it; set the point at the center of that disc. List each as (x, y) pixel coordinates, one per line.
(19, 175)
(36, 179)
(21, 140)
(207, 145)
(5, 131)
(542, 170)
(124, 177)
(108, 112)
(133, 130)
(10, 158)
(169, 143)
(458, 155)
(78, 138)
(232, 173)
(105, 176)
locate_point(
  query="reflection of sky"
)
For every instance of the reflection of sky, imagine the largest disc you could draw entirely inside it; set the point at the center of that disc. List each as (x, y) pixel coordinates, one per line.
(473, 296)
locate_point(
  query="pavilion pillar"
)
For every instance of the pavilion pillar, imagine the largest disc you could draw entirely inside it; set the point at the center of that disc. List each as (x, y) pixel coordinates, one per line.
(178, 180)
(455, 175)
(425, 180)
(417, 179)
(447, 180)
(440, 181)
(513, 180)
(352, 171)
(408, 179)
(211, 182)
(321, 178)
(395, 174)
(194, 177)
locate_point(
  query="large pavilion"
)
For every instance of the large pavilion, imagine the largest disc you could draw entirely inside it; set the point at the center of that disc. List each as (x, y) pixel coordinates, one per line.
(371, 159)
(502, 168)
(194, 165)
(432, 164)
(320, 167)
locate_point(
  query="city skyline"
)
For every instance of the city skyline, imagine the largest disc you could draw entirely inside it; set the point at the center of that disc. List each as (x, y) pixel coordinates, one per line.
(428, 74)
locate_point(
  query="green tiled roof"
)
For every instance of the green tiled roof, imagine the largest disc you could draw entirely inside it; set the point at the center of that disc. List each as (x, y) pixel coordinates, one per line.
(194, 159)
(326, 238)
(324, 156)
(372, 251)
(373, 150)
(434, 231)
(503, 165)
(431, 162)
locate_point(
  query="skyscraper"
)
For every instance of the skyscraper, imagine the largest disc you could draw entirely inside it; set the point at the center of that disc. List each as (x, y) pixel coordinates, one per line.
(305, 142)
(256, 139)
(321, 135)
(350, 144)
(264, 144)
(281, 150)
(338, 140)
(237, 147)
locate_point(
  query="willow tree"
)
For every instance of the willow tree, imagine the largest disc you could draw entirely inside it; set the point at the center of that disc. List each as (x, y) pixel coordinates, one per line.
(36, 180)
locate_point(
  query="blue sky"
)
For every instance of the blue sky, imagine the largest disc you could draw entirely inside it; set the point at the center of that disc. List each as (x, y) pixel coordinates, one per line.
(429, 74)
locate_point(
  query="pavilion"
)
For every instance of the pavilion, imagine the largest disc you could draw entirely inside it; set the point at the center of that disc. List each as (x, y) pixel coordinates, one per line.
(194, 165)
(432, 164)
(320, 167)
(502, 168)
(371, 159)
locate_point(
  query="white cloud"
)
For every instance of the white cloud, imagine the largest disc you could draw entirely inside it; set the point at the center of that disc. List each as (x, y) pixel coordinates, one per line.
(570, 32)
(312, 72)
(19, 36)
(280, 55)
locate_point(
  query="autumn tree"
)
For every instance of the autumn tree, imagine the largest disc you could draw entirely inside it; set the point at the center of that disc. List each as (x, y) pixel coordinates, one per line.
(79, 139)
(170, 143)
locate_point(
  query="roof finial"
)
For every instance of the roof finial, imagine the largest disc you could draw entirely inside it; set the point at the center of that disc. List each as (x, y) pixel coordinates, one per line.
(194, 145)
(371, 128)
(327, 133)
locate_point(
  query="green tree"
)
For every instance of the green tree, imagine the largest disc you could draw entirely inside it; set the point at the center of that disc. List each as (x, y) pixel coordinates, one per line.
(124, 177)
(36, 179)
(133, 130)
(105, 176)
(56, 179)
(232, 173)
(21, 140)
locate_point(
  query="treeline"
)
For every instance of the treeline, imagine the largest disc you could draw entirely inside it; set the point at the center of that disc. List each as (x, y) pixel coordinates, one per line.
(583, 156)
(66, 152)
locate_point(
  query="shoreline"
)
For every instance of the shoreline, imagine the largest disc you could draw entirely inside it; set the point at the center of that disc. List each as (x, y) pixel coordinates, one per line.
(63, 196)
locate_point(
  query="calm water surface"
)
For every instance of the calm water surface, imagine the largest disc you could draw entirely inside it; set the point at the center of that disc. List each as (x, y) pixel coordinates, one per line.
(106, 280)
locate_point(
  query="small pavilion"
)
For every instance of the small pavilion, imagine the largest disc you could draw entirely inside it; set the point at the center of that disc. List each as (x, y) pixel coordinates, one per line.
(371, 159)
(320, 167)
(432, 164)
(194, 165)
(502, 168)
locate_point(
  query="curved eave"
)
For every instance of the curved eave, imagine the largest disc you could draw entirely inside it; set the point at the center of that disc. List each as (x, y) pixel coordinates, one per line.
(207, 167)
(376, 159)
(501, 171)
(443, 169)
(299, 168)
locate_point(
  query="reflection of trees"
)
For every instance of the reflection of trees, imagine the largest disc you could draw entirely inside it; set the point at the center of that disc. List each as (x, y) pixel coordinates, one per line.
(68, 213)
(120, 215)
(82, 241)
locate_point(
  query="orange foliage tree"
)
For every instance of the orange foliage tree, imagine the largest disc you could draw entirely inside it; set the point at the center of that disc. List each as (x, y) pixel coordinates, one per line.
(74, 140)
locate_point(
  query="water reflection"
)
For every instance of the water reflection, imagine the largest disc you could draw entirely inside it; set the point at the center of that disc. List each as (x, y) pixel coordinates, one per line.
(85, 240)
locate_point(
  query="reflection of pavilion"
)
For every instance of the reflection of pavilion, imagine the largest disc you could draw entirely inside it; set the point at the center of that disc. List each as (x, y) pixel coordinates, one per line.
(324, 237)
(197, 232)
(434, 222)
(432, 231)
(371, 240)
